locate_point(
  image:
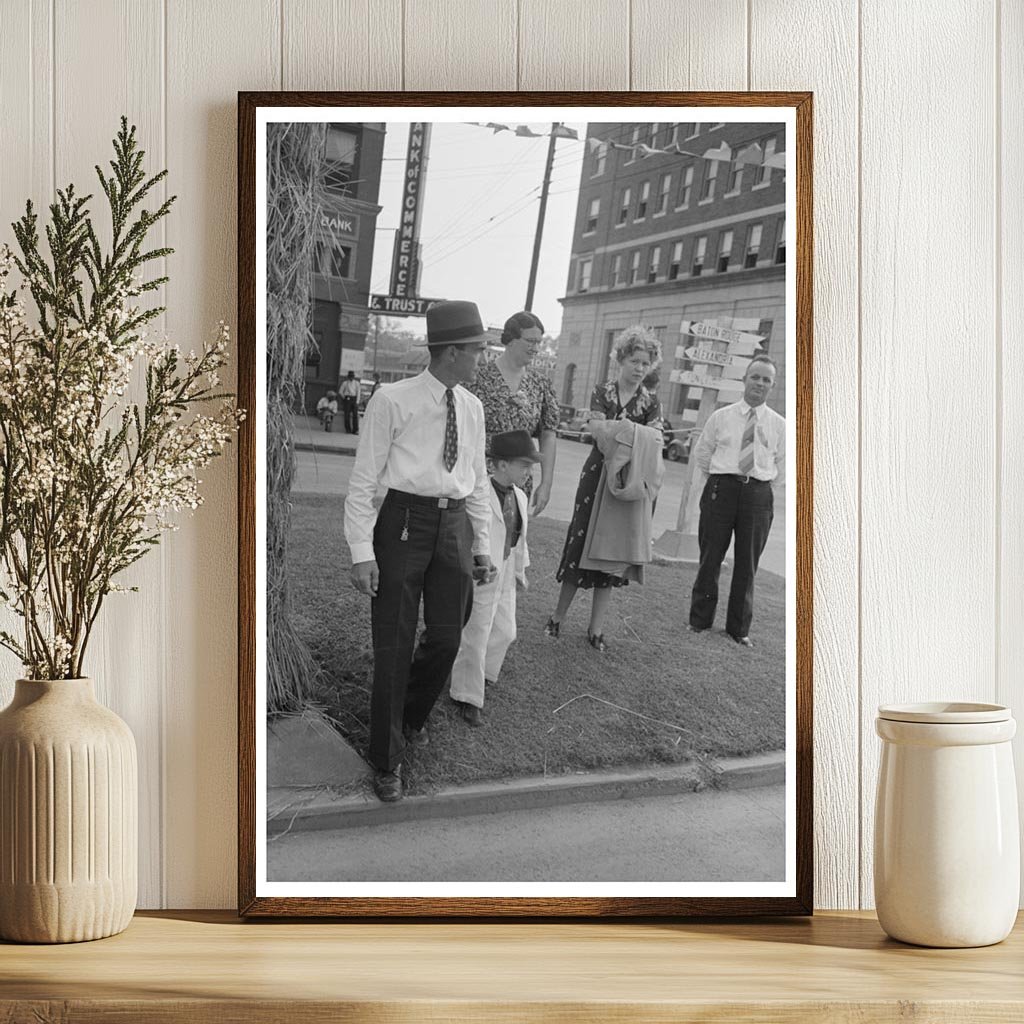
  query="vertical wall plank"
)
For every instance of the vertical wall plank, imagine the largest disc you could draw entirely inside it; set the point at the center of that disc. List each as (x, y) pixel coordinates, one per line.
(347, 44)
(829, 68)
(928, 399)
(26, 171)
(699, 44)
(1010, 230)
(466, 45)
(576, 44)
(213, 50)
(123, 658)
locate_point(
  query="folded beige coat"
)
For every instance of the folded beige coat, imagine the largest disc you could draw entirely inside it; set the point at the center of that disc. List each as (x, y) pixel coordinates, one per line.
(618, 538)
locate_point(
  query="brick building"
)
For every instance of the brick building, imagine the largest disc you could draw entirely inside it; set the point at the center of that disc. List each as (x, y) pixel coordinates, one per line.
(344, 255)
(663, 238)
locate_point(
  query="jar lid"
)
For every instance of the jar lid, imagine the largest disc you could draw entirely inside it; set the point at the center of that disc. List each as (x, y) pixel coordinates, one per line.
(945, 713)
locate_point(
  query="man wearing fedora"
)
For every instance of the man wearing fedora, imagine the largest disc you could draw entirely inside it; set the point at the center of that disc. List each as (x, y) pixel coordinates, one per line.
(492, 623)
(423, 442)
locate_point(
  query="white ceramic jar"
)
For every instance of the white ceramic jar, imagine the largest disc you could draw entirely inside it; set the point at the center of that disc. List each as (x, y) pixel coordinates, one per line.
(947, 847)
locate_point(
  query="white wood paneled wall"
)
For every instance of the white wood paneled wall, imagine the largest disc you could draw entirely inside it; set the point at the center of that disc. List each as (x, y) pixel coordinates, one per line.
(919, 293)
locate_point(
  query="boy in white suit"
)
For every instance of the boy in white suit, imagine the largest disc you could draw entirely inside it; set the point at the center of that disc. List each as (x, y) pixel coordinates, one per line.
(492, 624)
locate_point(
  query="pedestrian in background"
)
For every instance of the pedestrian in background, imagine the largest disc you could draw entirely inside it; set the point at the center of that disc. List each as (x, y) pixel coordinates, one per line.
(349, 391)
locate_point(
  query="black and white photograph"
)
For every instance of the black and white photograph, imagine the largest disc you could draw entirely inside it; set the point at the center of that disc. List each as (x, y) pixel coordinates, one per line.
(525, 502)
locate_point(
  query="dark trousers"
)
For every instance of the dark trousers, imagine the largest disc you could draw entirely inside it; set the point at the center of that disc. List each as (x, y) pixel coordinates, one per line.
(434, 563)
(349, 406)
(730, 507)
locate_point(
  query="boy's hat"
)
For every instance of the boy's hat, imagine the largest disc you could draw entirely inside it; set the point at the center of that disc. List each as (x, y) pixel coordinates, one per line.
(514, 444)
(454, 323)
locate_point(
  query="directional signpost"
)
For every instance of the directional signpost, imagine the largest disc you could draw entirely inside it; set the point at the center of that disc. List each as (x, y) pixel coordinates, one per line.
(720, 346)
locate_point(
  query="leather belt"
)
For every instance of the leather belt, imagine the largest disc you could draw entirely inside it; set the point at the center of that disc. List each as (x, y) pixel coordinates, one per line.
(405, 498)
(741, 479)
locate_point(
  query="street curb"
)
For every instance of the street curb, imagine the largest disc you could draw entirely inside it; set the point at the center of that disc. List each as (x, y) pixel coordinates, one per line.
(305, 446)
(323, 811)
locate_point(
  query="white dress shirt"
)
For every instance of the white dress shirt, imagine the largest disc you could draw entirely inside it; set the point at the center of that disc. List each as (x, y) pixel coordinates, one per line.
(401, 446)
(718, 450)
(349, 388)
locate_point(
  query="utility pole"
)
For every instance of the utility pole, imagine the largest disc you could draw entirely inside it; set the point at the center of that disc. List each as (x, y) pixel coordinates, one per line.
(540, 219)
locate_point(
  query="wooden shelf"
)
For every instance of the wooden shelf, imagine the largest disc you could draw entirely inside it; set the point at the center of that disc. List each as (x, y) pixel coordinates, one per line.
(209, 966)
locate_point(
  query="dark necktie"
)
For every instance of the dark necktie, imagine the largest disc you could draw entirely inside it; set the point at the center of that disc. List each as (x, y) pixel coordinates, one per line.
(451, 433)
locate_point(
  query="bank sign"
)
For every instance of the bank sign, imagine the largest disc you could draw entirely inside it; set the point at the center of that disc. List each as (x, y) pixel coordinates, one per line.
(344, 225)
(398, 305)
(403, 263)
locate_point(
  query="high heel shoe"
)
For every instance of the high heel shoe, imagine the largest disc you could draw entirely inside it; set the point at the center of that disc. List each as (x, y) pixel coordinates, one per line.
(551, 628)
(596, 640)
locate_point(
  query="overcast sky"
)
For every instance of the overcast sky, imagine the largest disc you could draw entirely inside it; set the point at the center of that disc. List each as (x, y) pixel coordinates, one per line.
(479, 216)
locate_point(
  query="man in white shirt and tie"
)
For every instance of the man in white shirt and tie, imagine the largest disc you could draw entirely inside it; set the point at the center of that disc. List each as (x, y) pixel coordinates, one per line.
(423, 441)
(742, 451)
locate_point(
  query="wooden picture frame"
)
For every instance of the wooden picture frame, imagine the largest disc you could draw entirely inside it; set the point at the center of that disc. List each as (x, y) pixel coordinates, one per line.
(798, 897)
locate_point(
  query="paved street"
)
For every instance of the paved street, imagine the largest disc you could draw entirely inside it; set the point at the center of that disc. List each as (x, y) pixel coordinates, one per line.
(328, 472)
(714, 836)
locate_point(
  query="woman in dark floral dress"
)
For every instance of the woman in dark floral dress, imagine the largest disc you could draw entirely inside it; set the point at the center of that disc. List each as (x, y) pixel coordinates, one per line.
(517, 397)
(638, 352)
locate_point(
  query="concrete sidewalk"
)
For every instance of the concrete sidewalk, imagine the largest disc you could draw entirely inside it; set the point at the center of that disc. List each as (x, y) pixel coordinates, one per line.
(310, 436)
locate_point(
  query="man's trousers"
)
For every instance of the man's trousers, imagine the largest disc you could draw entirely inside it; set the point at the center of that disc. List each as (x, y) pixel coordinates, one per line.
(350, 407)
(487, 636)
(433, 563)
(729, 507)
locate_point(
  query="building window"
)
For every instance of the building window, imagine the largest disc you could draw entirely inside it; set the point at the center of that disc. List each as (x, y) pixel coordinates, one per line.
(732, 186)
(334, 261)
(780, 244)
(698, 256)
(583, 282)
(677, 261)
(339, 159)
(600, 158)
(592, 214)
(753, 246)
(666, 187)
(692, 130)
(634, 268)
(634, 141)
(624, 206)
(724, 252)
(616, 276)
(642, 200)
(707, 188)
(686, 187)
(652, 264)
(764, 174)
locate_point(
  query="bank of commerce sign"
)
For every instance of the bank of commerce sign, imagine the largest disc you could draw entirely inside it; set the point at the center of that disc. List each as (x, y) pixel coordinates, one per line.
(403, 265)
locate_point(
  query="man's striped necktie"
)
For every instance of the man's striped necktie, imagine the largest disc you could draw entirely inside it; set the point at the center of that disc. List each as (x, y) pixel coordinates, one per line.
(747, 445)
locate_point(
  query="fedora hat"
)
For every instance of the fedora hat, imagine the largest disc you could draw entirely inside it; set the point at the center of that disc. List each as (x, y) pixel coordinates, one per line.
(514, 444)
(454, 323)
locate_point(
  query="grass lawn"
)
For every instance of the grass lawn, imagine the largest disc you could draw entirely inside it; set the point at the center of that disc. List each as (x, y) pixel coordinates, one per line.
(660, 694)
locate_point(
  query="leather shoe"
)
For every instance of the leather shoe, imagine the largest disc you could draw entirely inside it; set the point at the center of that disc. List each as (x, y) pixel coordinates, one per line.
(471, 714)
(697, 629)
(597, 641)
(551, 628)
(388, 786)
(418, 738)
(743, 641)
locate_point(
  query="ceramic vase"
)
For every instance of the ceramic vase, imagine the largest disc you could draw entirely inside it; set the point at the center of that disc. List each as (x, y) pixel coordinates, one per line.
(68, 815)
(947, 848)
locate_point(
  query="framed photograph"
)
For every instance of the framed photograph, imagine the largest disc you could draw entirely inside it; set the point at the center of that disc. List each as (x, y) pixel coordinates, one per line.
(525, 504)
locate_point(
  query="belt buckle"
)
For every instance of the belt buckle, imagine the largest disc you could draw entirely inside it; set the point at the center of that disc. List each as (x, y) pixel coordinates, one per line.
(745, 479)
(442, 502)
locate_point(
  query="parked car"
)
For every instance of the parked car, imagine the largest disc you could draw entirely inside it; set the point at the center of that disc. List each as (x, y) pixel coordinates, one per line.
(575, 427)
(678, 442)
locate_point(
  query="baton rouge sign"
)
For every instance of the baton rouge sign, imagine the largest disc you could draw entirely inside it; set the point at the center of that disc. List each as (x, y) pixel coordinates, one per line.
(404, 270)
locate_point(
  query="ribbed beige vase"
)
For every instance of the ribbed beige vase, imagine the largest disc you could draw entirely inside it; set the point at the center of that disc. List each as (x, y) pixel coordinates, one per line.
(68, 815)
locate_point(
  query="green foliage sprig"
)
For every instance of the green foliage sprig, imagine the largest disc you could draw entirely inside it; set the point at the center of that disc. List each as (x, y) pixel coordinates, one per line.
(89, 478)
